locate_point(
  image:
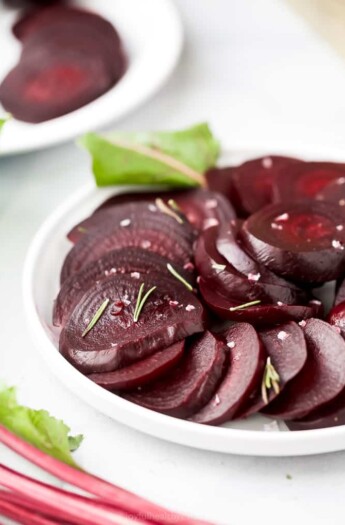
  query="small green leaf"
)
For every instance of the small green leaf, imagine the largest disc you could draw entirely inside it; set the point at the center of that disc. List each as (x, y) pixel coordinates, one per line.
(179, 277)
(4, 120)
(96, 317)
(37, 427)
(176, 159)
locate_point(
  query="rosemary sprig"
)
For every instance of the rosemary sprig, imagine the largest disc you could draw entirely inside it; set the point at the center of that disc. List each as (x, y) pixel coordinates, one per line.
(270, 379)
(217, 266)
(179, 277)
(168, 211)
(96, 317)
(244, 305)
(141, 301)
(173, 204)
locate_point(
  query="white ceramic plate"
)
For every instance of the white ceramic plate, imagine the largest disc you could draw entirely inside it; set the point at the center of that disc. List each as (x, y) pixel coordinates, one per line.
(152, 35)
(254, 436)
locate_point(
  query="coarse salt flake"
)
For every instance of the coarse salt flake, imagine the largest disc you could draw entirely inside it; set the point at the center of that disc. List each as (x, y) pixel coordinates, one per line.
(125, 222)
(254, 276)
(302, 323)
(337, 245)
(282, 335)
(342, 202)
(152, 208)
(267, 162)
(173, 303)
(282, 217)
(208, 223)
(145, 244)
(340, 227)
(211, 204)
(341, 180)
(135, 275)
(276, 226)
(190, 307)
(216, 400)
(231, 344)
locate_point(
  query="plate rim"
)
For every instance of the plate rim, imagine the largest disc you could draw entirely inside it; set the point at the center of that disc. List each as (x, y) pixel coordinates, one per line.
(174, 48)
(218, 439)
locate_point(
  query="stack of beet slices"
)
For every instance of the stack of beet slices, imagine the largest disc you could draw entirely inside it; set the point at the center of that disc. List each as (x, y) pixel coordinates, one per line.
(200, 304)
(69, 58)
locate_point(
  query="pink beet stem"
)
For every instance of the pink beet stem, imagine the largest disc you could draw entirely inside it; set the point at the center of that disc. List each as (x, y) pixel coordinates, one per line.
(115, 496)
(23, 516)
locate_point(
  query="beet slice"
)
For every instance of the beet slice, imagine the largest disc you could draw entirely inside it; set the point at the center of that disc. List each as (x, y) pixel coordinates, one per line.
(190, 385)
(133, 261)
(141, 227)
(340, 293)
(220, 181)
(286, 347)
(259, 315)
(202, 208)
(245, 282)
(253, 182)
(39, 91)
(336, 318)
(305, 180)
(334, 192)
(302, 241)
(322, 377)
(170, 314)
(246, 362)
(141, 372)
(330, 415)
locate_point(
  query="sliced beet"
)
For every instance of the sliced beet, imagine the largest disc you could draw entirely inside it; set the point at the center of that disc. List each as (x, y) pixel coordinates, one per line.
(246, 362)
(258, 315)
(39, 91)
(170, 314)
(190, 385)
(141, 372)
(330, 415)
(253, 182)
(321, 379)
(340, 293)
(220, 180)
(133, 261)
(151, 230)
(303, 241)
(286, 347)
(334, 192)
(245, 282)
(202, 208)
(336, 318)
(305, 180)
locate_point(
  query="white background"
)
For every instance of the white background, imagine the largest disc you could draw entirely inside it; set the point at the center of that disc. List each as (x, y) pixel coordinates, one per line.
(256, 72)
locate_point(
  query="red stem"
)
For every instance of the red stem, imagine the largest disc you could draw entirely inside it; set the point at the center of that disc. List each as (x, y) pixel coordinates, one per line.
(115, 496)
(23, 516)
(65, 504)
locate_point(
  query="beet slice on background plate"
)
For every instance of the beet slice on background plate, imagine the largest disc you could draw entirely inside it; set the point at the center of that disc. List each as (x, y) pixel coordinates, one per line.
(253, 182)
(169, 314)
(152, 231)
(258, 315)
(35, 92)
(245, 367)
(303, 241)
(202, 208)
(190, 385)
(330, 415)
(133, 261)
(141, 372)
(236, 285)
(321, 379)
(305, 180)
(286, 349)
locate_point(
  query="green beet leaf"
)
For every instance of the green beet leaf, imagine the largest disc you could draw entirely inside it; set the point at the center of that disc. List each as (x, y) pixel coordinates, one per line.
(174, 159)
(38, 427)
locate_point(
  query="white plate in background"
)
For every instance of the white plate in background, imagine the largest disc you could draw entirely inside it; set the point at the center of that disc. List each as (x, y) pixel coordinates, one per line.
(256, 435)
(152, 36)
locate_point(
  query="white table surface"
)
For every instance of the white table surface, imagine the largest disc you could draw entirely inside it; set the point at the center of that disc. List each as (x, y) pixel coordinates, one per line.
(256, 72)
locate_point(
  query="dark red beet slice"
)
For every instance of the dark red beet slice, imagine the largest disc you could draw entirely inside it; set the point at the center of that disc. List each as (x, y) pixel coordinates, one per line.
(246, 361)
(133, 261)
(334, 192)
(201, 207)
(340, 293)
(305, 180)
(286, 347)
(336, 318)
(35, 92)
(256, 284)
(258, 315)
(330, 415)
(170, 314)
(142, 372)
(322, 377)
(190, 385)
(302, 241)
(220, 180)
(253, 182)
(141, 227)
